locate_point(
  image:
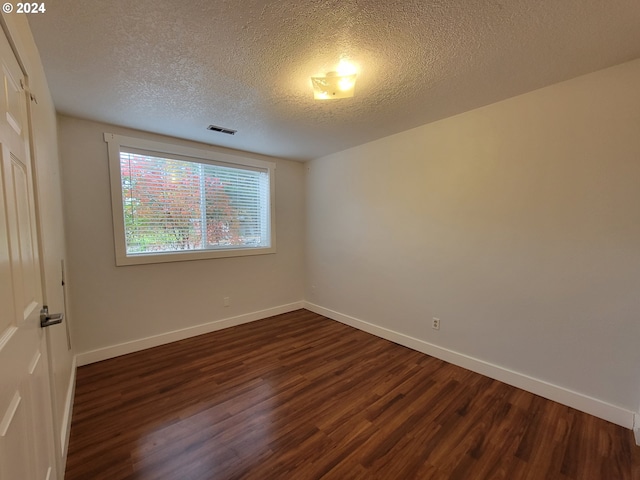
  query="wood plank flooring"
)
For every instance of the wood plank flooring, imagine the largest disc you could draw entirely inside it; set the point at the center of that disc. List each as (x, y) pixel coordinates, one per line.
(299, 396)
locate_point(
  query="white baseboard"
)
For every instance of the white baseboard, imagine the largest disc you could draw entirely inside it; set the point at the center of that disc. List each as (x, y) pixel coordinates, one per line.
(584, 403)
(579, 401)
(105, 353)
(65, 425)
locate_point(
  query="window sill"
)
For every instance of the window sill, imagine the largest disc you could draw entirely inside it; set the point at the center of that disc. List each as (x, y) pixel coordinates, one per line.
(147, 258)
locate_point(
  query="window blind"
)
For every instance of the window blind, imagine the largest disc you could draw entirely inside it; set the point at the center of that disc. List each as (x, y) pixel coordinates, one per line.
(173, 205)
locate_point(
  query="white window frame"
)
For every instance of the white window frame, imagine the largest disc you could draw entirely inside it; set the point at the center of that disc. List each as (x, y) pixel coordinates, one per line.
(116, 142)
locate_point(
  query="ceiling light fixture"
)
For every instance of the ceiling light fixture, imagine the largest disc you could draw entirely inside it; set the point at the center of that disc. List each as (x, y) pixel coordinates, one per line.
(334, 85)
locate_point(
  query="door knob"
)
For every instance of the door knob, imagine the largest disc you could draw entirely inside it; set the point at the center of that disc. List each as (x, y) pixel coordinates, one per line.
(47, 319)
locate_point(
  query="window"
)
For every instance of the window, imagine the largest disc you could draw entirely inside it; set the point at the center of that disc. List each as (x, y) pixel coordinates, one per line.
(174, 203)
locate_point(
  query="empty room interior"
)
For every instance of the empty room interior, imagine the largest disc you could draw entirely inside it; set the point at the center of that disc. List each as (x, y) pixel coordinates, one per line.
(330, 239)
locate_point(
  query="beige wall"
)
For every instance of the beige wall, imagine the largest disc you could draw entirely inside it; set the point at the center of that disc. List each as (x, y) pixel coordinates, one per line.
(112, 305)
(517, 224)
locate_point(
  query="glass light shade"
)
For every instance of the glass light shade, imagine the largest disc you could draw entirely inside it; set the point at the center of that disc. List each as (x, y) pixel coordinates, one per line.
(333, 86)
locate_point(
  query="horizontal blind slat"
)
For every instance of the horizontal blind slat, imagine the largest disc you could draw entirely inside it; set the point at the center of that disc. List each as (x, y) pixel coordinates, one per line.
(164, 198)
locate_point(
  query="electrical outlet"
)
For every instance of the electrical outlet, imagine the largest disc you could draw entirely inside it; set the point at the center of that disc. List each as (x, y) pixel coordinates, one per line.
(226, 301)
(436, 323)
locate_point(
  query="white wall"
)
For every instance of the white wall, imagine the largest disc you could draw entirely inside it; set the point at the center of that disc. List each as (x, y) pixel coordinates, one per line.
(49, 197)
(113, 305)
(517, 224)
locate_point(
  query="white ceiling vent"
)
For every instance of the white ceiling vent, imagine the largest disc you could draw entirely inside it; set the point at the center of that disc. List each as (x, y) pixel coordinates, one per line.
(216, 128)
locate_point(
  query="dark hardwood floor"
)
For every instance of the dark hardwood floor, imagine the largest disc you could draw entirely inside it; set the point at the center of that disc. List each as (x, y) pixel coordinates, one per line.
(299, 396)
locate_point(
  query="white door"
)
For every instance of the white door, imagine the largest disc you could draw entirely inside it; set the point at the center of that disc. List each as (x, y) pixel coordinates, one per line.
(26, 431)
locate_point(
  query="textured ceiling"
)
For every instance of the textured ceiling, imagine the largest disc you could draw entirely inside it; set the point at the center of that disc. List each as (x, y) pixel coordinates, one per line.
(174, 67)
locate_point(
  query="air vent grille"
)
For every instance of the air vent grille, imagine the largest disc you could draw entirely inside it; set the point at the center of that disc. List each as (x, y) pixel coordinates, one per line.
(216, 128)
